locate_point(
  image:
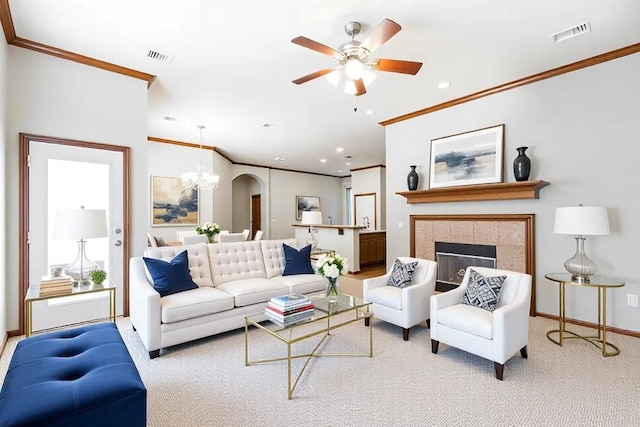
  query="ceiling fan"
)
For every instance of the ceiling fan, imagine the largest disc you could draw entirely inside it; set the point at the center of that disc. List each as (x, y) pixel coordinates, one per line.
(354, 56)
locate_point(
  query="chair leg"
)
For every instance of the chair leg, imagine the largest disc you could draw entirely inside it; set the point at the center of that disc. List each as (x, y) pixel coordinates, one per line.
(134, 328)
(429, 323)
(499, 370)
(523, 352)
(434, 346)
(405, 334)
(367, 321)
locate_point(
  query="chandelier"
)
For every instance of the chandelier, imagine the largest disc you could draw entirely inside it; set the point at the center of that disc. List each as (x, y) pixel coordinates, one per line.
(200, 179)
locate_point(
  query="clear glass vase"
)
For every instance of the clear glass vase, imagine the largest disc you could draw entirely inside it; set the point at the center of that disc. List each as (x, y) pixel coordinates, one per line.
(332, 289)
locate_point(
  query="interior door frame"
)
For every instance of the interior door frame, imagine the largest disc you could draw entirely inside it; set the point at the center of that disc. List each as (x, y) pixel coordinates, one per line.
(23, 249)
(375, 208)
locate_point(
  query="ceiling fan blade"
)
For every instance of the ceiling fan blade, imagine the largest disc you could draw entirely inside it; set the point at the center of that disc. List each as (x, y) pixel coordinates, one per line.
(312, 76)
(398, 66)
(360, 89)
(318, 47)
(381, 34)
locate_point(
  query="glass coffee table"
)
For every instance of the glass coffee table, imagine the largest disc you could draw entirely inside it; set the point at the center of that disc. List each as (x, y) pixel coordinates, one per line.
(324, 320)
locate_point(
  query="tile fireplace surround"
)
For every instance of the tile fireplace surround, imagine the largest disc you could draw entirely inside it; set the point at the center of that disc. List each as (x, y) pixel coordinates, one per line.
(511, 234)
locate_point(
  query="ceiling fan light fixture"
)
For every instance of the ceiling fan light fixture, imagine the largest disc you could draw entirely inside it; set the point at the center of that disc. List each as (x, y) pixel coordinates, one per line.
(333, 77)
(354, 69)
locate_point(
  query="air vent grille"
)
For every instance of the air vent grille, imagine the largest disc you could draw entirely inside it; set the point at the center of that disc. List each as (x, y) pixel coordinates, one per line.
(567, 34)
(159, 56)
(170, 119)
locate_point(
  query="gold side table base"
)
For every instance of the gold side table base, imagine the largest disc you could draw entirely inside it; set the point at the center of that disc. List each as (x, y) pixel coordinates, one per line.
(596, 341)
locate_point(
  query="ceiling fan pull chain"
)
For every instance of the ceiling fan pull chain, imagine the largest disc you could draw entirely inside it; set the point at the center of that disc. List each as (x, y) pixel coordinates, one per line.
(355, 103)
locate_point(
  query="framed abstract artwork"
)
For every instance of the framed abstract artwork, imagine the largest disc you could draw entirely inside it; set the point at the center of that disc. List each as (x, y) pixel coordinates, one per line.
(306, 203)
(468, 158)
(172, 204)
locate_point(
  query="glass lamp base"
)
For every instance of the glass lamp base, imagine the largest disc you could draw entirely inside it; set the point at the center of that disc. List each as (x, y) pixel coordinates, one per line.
(312, 240)
(580, 265)
(80, 269)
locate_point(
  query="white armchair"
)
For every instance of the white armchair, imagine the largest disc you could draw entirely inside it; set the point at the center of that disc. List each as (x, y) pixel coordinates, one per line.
(404, 307)
(495, 335)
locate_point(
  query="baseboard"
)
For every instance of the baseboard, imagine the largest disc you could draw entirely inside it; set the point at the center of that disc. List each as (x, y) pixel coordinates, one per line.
(613, 329)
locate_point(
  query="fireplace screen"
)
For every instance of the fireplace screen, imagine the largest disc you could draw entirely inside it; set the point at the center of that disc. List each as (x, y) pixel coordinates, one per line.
(454, 258)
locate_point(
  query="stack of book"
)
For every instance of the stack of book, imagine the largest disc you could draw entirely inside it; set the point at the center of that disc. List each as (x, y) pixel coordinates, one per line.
(285, 310)
(55, 285)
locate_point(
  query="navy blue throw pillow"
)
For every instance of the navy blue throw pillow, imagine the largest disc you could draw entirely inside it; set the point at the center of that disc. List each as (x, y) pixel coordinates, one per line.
(297, 261)
(170, 277)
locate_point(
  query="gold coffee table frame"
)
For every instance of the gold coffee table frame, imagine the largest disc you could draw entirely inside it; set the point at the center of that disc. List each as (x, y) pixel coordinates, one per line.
(324, 322)
(602, 283)
(33, 294)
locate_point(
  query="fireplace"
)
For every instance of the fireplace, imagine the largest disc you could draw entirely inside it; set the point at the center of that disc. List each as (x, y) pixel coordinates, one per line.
(512, 236)
(454, 258)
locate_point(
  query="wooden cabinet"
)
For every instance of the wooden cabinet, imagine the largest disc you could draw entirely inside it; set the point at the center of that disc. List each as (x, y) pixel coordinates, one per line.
(373, 247)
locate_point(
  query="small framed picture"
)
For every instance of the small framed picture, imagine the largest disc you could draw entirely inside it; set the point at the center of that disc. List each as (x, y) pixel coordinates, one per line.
(468, 158)
(306, 203)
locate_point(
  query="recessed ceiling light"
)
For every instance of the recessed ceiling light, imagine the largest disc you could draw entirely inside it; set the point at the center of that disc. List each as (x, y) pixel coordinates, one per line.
(370, 112)
(339, 170)
(323, 160)
(348, 163)
(279, 159)
(444, 85)
(339, 149)
(268, 125)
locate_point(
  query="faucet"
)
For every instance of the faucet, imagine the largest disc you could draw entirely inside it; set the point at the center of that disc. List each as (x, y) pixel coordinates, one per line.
(330, 220)
(366, 222)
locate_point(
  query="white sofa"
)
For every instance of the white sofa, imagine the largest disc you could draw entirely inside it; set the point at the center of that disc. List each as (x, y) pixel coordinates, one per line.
(234, 279)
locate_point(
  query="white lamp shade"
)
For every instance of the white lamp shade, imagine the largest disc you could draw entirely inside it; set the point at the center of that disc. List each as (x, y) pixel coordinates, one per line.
(80, 224)
(582, 220)
(311, 217)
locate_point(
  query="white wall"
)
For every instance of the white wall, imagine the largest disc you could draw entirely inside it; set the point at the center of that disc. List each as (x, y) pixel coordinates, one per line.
(583, 130)
(171, 161)
(285, 186)
(59, 98)
(371, 180)
(3, 198)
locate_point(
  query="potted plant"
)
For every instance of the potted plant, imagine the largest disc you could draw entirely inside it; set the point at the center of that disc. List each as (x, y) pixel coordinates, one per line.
(98, 276)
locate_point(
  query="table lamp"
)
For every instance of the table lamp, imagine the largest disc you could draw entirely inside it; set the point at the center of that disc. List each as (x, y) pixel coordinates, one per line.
(80, 224)
(581, 221)
(311, 218)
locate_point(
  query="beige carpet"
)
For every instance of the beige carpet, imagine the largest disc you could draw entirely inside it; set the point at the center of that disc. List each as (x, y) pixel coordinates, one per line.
(205, 383)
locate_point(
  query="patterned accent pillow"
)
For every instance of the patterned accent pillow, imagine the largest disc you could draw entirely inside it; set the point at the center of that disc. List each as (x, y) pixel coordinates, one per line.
(483, 291)
(401, 273)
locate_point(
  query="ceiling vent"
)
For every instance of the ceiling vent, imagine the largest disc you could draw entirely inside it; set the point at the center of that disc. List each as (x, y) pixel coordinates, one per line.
(570, 33)
(159, 56)
(170, 119)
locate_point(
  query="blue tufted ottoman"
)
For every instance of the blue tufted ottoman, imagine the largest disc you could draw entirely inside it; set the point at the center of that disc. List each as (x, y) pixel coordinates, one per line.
(76, 377)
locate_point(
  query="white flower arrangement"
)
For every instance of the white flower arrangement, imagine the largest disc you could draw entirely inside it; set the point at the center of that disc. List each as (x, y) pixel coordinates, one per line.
(332, 266)
(208, 228)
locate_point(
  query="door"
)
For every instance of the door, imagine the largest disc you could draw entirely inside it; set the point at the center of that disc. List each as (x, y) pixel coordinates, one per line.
(67, 175)
(256, 215)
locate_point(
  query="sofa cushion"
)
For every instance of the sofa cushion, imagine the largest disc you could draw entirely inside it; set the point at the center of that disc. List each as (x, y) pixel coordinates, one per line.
(468, 318)
(401, 273)
(194, 303)
(483, 292)
(253, 291)
(297, 261)
(273, 255)
(170, 277)
(303, 283)
(198, 261)
(233, 261)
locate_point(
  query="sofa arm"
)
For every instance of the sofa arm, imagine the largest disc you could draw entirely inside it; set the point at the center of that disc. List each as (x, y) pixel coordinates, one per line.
(373, 283)
(144, 306)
